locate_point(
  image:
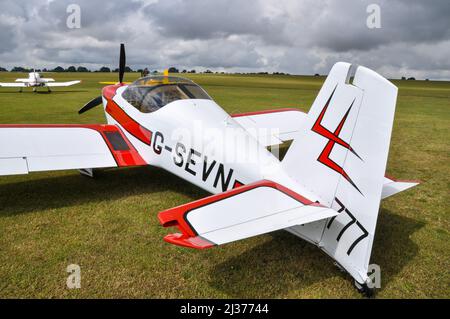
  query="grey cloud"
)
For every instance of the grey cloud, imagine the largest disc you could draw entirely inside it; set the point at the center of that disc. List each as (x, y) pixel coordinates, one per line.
(292, 36)
(205, 19)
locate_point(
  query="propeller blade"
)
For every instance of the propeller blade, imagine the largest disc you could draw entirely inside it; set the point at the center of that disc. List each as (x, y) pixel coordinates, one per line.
(122, 62)
(91, 104)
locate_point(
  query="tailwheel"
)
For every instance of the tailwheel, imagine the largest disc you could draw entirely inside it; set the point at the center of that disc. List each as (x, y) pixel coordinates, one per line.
(364, 289)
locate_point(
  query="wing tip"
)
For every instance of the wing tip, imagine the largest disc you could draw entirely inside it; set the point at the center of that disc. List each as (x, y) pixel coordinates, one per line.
(182, 240)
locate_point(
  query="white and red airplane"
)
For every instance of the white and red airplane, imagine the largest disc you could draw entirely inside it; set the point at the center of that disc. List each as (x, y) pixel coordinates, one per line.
(327, 189)
(35, 80)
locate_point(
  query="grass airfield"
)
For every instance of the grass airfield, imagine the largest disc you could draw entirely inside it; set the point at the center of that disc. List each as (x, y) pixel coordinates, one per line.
(108, 225)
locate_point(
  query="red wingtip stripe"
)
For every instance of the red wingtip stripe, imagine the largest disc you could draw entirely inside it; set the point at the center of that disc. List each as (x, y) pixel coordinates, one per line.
(189, 242)
(176, 217)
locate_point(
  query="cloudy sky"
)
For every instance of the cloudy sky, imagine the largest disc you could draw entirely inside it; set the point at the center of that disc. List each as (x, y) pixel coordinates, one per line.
(295, 36)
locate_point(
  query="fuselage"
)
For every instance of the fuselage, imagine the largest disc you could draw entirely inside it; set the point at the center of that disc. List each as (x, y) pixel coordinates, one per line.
(198, 141)
(34, 80)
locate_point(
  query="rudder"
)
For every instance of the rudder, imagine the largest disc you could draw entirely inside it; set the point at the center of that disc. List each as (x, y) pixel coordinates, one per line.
(341, 154)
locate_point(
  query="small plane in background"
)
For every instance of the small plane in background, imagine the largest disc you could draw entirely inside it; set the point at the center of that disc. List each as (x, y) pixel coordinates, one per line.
(35, 81)
(326, 190)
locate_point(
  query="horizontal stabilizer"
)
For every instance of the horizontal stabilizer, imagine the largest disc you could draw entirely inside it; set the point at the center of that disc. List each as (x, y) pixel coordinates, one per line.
(272, 127)
(12, 85)
(392, 186)
(243, 212)
(52, 84)
(113, 83)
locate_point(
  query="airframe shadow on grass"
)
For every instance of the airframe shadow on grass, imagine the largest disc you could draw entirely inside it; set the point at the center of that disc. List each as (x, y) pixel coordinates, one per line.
(71, 190)
(44, 91)
(284, 263)
(279, 266)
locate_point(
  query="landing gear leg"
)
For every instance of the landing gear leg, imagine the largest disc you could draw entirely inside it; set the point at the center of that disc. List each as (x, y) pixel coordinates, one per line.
(89, 172)
(48, 88)
(34, 89)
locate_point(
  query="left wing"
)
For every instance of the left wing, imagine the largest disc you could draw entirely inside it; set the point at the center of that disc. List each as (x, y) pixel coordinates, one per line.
(61, 83)
(32, 148)
(12, 85)
(240, 213)
(271, 127)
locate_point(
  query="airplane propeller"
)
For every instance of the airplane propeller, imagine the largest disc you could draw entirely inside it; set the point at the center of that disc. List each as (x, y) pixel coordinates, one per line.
(91, 104)
(122, 61)
(98, 100)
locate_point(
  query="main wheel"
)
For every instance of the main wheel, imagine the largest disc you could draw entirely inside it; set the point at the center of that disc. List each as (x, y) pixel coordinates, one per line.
(364, 289)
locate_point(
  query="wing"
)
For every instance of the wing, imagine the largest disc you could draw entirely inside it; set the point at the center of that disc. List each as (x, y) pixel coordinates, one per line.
(62, 83)
(32, 148)
(271, 127)
(12, 85)
(240, 213)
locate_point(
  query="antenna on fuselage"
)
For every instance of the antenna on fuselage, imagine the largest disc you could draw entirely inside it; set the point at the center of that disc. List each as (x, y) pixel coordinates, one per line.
(166, 76)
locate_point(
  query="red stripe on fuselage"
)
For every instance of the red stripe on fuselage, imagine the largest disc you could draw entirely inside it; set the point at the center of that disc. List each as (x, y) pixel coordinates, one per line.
(126, 121)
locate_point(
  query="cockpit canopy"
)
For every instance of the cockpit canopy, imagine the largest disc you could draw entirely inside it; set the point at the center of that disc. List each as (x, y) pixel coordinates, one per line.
(149, 94)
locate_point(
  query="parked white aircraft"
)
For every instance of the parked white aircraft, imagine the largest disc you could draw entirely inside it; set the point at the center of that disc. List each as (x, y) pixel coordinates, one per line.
(326, 190)
(35, 80)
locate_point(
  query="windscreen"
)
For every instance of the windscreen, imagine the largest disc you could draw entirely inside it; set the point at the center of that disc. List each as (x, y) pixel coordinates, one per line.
(149, 94)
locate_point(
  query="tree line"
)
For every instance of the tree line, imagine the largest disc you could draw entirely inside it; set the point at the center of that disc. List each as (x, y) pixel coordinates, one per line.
(69, 69)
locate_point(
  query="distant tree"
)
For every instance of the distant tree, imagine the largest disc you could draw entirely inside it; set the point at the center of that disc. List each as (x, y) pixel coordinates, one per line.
(192, 71)
(317, 74)
(184, 71)
(208, 71)
(82, 69)
(3, 69)
(71, 69)
(44, 70)
(427, 79)
(104, 69)
(58, 69)
(18, 69)
(155, 72)
(403, 78)
(173, 70)
(128, 69)
(411, 79)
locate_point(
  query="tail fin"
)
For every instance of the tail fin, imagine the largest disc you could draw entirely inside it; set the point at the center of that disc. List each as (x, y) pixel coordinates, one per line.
(341, 154)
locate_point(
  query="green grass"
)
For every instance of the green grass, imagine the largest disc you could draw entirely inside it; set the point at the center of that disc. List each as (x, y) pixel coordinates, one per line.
(109, 227)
